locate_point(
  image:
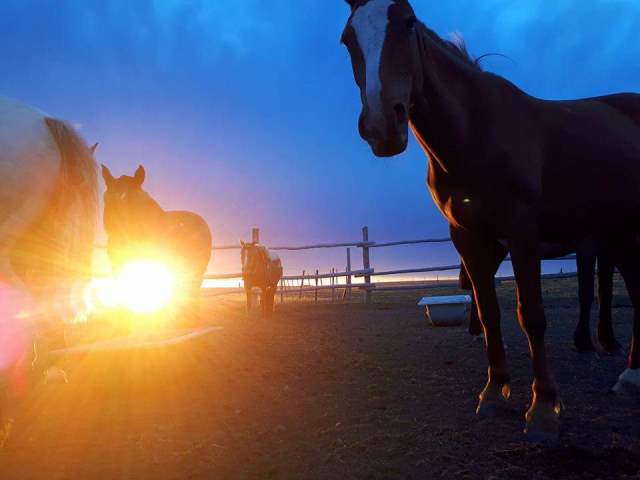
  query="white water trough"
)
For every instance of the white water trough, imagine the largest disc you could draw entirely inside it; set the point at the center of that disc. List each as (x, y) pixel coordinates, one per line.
(448, 311)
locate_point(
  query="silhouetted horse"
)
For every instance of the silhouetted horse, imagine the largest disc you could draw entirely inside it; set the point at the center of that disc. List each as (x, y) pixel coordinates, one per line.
(138, 227)
(49, 199)
(260, 269)
(503, 166)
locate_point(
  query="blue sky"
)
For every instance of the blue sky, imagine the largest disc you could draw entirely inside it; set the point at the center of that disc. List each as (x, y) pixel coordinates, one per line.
(246, 110)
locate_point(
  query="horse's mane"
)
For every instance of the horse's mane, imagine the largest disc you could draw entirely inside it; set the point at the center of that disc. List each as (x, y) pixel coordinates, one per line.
(456, 46)
(73, 211)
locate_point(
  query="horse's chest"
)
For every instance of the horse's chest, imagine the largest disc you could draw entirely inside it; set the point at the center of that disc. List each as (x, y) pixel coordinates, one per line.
(464, 209)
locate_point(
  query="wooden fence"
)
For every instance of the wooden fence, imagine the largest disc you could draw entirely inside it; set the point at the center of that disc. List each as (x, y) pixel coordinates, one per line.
(298, 285)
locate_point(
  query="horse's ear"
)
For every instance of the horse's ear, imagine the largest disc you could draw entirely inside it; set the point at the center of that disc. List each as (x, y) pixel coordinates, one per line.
(242, 244)
(108, 178)
(140, 175)
(93, 149)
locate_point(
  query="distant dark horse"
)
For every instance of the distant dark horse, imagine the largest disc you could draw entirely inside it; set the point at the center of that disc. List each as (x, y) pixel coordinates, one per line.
(138, 227)
(503, 166)
(586, 266)
(260, 269)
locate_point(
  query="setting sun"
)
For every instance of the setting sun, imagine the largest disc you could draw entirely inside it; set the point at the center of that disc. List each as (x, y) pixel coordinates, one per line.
(145, 286)
(142, 286)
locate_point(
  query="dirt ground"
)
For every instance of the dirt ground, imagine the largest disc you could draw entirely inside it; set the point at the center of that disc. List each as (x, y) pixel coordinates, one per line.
(326, 392)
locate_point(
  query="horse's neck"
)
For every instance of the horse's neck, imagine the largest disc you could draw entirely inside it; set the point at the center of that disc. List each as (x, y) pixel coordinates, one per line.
(251, 267)
(445, 102)
(147, 223)
(154, 210)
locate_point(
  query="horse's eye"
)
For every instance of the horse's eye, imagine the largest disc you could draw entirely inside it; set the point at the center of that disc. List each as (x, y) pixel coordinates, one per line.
(411, 22)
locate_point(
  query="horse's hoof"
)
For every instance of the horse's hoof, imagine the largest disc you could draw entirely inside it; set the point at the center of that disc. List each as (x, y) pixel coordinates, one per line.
(628, 383)
(494, 401)
(583, 342)
(543, 423)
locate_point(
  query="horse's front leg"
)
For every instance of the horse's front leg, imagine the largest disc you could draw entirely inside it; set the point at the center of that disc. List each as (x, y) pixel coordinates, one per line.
(264, 300)
(543, 416)
(248, 292)
(478, 254)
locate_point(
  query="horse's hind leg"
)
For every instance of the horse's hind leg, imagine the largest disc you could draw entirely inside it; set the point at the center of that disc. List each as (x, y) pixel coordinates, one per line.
(475, 327)
(628, 262)
(606, 337)
(586, 263)
(269, 300)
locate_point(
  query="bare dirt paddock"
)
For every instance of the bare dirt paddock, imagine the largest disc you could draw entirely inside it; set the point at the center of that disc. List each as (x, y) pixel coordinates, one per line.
(326, 392)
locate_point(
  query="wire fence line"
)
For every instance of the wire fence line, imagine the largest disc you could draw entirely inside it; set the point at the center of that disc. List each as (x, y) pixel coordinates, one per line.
(341, 283)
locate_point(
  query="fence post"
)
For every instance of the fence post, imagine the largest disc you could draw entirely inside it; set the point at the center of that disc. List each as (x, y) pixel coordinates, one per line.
(316, 292)
(366, 263)
(333, 285)
(302, 283)
(281, 290)
(348, 291)
(255, 235)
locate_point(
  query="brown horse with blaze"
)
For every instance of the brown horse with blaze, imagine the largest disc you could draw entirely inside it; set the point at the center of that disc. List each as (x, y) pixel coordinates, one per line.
(509, 172)
(260, 269)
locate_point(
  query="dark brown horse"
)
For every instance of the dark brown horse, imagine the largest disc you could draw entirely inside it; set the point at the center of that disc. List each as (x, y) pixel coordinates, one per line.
(260, 269)
(138, 227)
(503, 166)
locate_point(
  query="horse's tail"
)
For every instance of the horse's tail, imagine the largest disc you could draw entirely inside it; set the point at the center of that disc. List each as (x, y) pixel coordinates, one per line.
(73, 212)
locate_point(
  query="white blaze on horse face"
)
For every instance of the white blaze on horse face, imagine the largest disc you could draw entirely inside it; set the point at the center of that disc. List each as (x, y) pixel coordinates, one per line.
(370, 24)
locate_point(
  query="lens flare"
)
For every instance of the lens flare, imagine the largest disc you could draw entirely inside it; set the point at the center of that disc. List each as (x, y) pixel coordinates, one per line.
(14, 320)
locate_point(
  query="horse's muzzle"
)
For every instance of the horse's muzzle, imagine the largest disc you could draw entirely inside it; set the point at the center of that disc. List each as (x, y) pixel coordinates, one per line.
(387, 135)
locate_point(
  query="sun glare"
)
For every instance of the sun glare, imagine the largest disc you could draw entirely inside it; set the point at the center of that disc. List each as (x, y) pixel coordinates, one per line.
(142, 287)
(145, 286)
